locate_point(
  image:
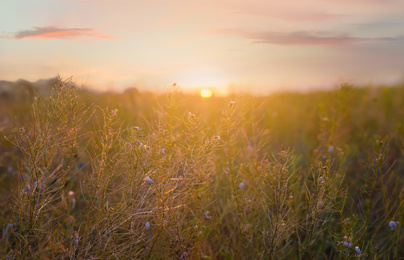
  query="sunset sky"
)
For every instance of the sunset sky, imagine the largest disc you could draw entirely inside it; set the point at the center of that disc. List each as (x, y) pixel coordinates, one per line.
(230, 45)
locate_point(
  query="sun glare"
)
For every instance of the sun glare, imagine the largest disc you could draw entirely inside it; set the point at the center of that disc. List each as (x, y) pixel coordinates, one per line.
(206, 93)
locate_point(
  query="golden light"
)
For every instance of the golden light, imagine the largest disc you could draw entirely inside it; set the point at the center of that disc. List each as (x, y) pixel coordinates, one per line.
(206, 93)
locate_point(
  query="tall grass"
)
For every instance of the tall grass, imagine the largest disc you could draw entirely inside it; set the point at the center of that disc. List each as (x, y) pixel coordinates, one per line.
(141, 176)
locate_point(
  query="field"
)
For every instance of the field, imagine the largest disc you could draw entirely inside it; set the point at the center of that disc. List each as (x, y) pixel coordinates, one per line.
(137, 175)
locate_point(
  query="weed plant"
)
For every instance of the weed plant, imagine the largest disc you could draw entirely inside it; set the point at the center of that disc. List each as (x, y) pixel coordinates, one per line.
(147, 176)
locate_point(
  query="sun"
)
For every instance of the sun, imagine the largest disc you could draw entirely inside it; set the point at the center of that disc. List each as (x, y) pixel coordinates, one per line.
(206, 93)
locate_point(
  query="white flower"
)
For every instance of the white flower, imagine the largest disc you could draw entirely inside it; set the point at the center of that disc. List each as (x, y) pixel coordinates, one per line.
(241, 185)
(216, 137)
(325, 119)
(147, 225)
(136, 128)
(321, 179)
(148, 180)
(71, 193)
(232, 103)
(114, 112)
(164, 151)
(392, 225)
(184, 256)
(330, 149)
(207, 216)
(146, 147)
(358, 250)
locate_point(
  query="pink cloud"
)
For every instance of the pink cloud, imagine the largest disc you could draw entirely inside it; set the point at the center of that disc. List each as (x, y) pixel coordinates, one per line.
(302, 37)
(60, 33)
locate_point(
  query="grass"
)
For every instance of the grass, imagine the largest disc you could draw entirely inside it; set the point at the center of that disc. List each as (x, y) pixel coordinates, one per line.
(147, 176)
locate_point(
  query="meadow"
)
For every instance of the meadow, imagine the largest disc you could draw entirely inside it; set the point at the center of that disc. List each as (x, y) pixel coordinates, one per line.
(136, 175)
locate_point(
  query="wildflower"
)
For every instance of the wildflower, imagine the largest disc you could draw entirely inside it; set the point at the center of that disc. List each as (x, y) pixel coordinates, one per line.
(147, 225)
(242, 185)
(320, 204)
(75, 238)
(71, 199)
(245, 228)
(347, 244)
(325, 119)
(26, 189)
(148, 180)
(80, 165)
(248, 209)
(283, 154)
(164, 151)
(114, 112)
(191, 116)
(207, 216)
(232, 103)
(136, 128)
(392, 225)
(184, 256)
(330, 149)
(10, 228)
(216, 137)
(358, 250)
(146, 147)
(321, 180)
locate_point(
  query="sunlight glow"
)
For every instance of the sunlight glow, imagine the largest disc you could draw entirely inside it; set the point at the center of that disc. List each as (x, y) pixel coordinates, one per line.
(206, 93)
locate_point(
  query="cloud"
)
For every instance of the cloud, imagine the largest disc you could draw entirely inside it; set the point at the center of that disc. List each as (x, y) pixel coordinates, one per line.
(60, 33)
(294, 16)
(302, 37)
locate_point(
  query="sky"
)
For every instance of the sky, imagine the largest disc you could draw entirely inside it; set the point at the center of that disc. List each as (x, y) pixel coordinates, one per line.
(257, 46)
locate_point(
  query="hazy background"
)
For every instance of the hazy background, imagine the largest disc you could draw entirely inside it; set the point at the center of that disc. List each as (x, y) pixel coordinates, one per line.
(231, 45)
